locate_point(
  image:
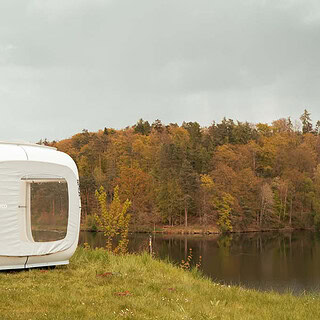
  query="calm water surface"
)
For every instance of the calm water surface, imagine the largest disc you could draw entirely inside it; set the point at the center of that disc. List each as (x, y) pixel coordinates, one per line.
(264, 261)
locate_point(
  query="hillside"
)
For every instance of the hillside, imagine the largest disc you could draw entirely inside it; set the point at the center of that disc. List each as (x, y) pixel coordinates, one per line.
(231, 176)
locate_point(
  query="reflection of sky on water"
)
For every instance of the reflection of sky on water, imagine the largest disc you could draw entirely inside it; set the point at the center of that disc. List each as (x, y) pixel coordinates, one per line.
(265, 261)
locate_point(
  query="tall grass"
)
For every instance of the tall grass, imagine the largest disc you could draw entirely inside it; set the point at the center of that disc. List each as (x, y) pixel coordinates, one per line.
(99, 285)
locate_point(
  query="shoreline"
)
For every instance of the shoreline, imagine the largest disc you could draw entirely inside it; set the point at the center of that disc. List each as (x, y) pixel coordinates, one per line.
(201, 231)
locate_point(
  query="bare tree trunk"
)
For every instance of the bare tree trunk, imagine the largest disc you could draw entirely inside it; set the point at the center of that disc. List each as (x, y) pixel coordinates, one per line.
(285, 203)
(87, 202)
(260, 218)
(254, 162)
(185, 216)
(260, 214)
(263, 208)
(290, 217)
(281, 205)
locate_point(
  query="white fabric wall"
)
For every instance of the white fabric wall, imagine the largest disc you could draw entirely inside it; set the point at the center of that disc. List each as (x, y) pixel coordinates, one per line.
(13, 243)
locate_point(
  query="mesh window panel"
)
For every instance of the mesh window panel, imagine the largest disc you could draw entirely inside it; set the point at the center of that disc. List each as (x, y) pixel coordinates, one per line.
(49, 210)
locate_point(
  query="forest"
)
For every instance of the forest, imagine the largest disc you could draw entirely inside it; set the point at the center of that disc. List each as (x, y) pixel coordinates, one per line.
(235, 176)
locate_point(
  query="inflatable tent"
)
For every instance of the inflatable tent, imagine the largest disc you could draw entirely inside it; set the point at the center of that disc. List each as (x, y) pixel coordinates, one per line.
(39, 206)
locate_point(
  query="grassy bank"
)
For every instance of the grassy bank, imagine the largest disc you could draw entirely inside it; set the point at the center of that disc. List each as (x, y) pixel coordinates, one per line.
(97, 285)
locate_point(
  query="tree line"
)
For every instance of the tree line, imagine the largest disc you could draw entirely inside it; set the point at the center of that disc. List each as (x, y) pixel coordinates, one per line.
(232, 175)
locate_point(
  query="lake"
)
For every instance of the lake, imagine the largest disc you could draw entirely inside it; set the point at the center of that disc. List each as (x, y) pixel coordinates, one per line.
(265, 261)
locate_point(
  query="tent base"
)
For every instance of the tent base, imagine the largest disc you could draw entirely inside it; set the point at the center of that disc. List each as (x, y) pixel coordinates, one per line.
(51, 264)
(34, 265)
(13, 267)
(49, 260)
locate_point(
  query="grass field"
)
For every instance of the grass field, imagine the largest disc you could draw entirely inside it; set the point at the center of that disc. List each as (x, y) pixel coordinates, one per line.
(98, 285)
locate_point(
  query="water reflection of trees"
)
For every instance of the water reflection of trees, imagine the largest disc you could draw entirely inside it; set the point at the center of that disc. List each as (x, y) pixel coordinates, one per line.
(280, 244)
(224, 243)
(260, 260)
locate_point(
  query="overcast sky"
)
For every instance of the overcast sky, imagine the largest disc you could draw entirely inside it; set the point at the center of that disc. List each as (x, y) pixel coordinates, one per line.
(66, 65)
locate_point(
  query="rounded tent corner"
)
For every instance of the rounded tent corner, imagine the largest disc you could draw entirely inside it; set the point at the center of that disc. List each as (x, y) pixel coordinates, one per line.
(39, 206)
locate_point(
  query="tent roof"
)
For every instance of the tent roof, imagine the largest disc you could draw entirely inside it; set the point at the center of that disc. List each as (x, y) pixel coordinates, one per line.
(24, 143)
(24, 151)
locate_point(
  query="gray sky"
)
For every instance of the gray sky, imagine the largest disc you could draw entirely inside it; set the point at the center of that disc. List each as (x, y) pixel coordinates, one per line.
(69, 65)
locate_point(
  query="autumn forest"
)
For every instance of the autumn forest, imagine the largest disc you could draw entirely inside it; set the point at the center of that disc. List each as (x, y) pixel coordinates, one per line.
(232, 175)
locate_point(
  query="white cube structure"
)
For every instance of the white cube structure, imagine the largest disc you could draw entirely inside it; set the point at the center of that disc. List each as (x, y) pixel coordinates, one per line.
(39, 206)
